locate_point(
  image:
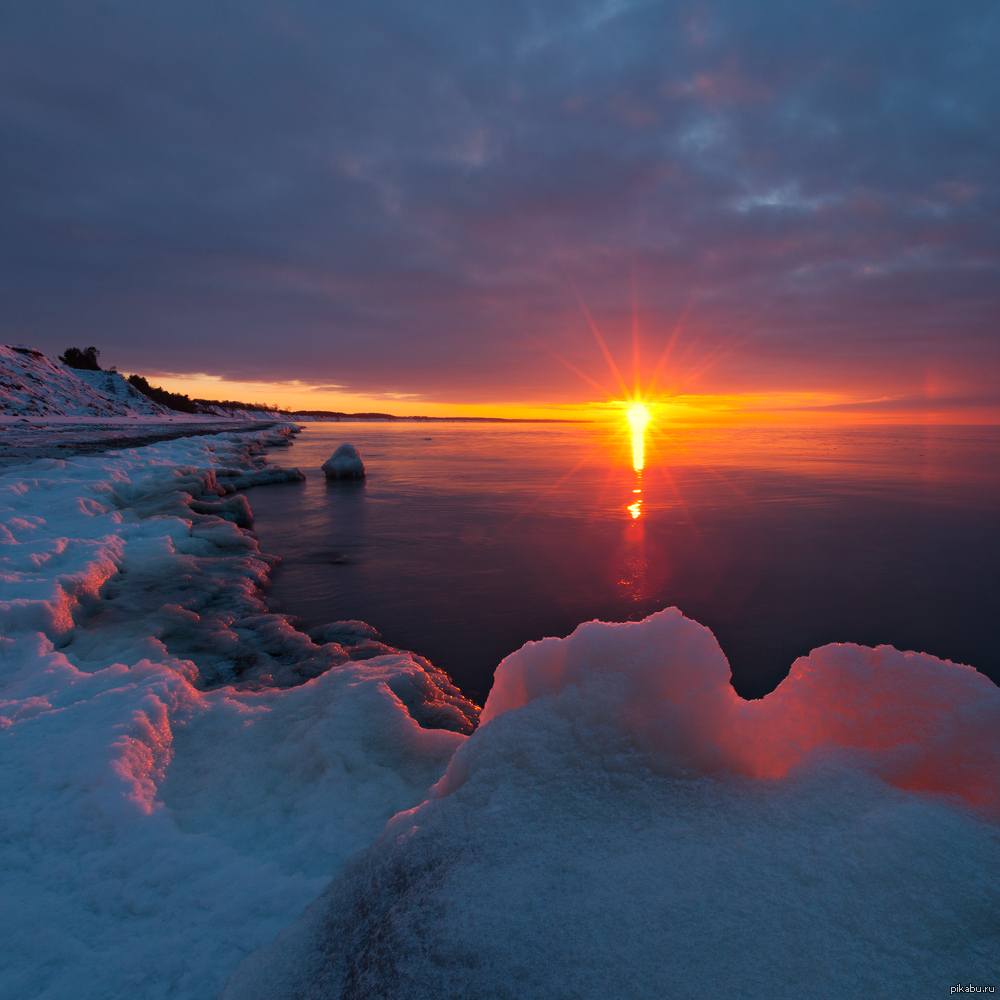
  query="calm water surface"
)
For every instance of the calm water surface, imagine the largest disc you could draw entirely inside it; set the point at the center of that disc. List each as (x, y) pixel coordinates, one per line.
(466, 541)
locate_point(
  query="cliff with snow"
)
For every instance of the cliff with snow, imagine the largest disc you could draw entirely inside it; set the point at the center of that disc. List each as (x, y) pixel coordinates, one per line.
(34, 385)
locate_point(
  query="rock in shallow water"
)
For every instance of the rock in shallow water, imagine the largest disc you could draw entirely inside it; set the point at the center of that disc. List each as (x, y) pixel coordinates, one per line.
(344, 463)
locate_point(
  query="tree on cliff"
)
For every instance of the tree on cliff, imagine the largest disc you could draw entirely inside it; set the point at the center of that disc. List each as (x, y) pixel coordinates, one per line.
(85, 359)
(172, 400)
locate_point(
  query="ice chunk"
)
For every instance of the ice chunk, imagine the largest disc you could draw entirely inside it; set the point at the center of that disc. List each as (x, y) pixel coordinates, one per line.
(260, 477)
(344, 463)
(347, 633)
(235, 508)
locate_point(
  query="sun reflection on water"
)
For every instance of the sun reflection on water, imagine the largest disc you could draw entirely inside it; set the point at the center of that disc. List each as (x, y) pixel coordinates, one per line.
(635, 509)
(638, 419)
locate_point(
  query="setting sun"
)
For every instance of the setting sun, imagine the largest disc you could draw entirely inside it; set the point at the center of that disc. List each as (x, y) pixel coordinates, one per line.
(638, 416)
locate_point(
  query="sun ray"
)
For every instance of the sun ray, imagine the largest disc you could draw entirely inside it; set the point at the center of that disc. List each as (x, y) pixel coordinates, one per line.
(682, 507)
(600, 341)
(570, 366)
(671, 342)
(727, 347)
(527, 508)
(636, 388)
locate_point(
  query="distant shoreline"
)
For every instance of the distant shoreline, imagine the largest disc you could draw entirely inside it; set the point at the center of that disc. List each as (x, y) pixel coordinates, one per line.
(320, 416)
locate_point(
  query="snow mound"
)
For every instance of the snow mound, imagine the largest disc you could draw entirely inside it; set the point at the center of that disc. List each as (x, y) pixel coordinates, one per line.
(116, 387)
(32, 384)
(170, 802)
(918, 722)
(344, 463)
(622, 816)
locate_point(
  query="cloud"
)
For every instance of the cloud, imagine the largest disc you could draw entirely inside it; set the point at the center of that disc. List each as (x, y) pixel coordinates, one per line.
(404, 194)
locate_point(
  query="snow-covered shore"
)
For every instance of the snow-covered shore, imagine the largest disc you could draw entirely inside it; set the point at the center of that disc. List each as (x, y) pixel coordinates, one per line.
(166, 808)
(184, 773)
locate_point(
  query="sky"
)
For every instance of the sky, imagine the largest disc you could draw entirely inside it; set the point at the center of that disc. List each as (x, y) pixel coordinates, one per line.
(787, 209)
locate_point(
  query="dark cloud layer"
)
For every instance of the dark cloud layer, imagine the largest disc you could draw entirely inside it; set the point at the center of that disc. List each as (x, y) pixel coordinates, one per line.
(398, 196)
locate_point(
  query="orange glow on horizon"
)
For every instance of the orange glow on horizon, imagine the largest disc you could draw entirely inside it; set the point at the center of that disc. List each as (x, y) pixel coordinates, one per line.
(675, 382)
(803, 408)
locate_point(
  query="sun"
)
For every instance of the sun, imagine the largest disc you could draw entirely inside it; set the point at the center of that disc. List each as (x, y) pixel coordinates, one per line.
(638, 416)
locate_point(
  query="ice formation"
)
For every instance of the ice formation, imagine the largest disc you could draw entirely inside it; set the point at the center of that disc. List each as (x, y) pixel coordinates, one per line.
(344, 463)
(169, 803)
(623, 824)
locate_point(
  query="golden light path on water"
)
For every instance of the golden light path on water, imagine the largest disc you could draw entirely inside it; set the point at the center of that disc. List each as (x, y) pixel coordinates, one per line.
(638, 419)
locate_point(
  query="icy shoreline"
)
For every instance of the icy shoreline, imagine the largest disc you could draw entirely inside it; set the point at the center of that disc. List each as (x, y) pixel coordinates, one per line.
(184, 773)
(28, 440)
(166, 809)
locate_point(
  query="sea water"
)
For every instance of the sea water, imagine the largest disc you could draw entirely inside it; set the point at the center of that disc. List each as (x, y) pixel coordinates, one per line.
(467, 540)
